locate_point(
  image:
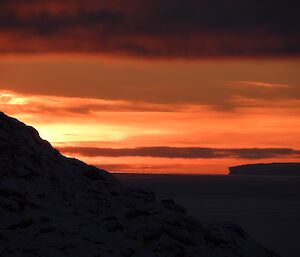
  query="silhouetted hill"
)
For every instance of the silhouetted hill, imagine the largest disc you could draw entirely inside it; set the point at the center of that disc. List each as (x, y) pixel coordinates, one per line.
(54, 206)
(266, 169)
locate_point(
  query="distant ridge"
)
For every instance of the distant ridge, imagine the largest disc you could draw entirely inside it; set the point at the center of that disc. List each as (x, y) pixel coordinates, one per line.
(267, 169)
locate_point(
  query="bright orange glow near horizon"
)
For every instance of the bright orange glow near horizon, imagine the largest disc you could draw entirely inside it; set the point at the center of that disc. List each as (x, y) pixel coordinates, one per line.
(158, 116)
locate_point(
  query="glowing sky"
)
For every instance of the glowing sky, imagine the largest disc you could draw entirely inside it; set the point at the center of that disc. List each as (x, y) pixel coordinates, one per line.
(119, 87)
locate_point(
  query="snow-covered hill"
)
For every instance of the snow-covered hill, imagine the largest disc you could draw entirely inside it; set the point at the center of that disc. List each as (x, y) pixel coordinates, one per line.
(52, 206)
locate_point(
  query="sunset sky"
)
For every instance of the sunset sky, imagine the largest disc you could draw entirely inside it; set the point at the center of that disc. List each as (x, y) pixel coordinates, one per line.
(156, 86)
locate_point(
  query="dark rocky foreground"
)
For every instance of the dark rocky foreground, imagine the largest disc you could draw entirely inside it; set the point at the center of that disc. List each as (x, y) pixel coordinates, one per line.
(267, 169)
(52, 206)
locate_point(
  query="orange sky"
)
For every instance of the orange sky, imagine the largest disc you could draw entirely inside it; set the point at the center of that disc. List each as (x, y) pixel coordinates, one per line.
(156, 86)
(138, 115)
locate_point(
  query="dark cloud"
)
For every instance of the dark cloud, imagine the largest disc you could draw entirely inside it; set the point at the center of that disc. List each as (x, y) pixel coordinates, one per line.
(184, 152)
(189, 29)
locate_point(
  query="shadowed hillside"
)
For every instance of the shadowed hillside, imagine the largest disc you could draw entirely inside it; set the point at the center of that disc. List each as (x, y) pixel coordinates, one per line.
(51, 205)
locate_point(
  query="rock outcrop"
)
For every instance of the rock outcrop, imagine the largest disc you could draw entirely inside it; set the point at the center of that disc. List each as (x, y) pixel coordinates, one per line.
(54, 206)
(267, 169)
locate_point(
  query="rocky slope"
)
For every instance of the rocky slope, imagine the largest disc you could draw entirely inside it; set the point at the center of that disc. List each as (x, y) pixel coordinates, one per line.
(52, 206)
(267, 169)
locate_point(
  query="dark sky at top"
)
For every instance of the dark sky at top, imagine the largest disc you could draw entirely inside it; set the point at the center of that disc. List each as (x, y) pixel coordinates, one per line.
(188, 29)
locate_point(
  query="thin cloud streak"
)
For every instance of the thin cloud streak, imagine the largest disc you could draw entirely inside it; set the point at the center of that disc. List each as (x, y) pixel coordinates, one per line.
(184, 152)
(15, 103)
(259, 84)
